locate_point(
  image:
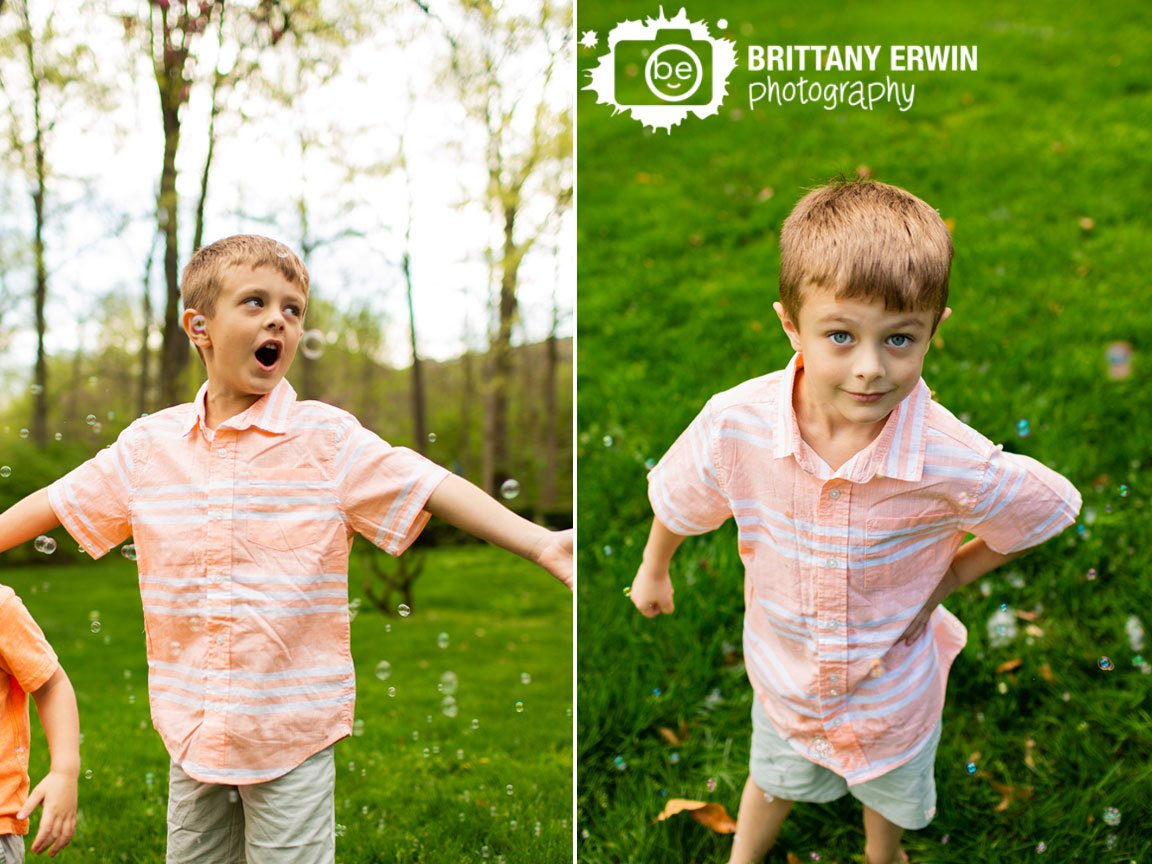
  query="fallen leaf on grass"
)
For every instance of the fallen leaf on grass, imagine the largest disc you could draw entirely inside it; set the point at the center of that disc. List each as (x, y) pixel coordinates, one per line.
(707, 813)
(675, 738)
(1009, 793)
(1025, 615)
(793, 858)
(1010, 665)
(1046, 673)
(1034, 631)
(1028, 747)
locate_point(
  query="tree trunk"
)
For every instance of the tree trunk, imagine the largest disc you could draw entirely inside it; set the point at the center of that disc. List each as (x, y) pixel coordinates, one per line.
(547, 498)
(500, 364)
(174, 352)
(143, 403)
(419, 424)
(40, 376)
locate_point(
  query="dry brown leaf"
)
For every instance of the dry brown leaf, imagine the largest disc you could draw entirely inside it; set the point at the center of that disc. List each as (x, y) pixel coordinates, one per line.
(707, 813)
(1046, 673)
(1034, 631)
(1009, 793)
(1025, 615)
(1010, 665)
(794, 859)
(1029, 746)
(675, 738)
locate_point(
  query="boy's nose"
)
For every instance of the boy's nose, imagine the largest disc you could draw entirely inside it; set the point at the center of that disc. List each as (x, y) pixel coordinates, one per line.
(867, 365)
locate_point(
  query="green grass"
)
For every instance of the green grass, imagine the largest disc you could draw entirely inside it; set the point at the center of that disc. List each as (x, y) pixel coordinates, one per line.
(413, 785)
(677, 272)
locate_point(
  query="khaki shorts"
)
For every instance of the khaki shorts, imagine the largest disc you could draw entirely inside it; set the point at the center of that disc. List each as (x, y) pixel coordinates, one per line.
(905, 796)
(11, 849)
(289, 820)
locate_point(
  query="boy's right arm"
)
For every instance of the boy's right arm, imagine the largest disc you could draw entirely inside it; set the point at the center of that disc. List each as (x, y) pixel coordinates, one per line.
(56, 704)
(27, 519)
(652, 588)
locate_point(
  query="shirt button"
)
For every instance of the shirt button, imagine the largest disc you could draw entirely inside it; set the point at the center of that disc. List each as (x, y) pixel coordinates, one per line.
(831, 562)
(222, 452)
(219, 640)
(834, 494)
(833, 678)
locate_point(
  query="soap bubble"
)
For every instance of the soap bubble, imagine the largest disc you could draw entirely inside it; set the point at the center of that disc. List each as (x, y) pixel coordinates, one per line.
(1105, 664)
(525, 678)
(1119, 355)
(509, 489)
(970, 768)
(509, 789)
(1123, 490)
(1111, 816)
(1001, 628)
(282, 251)
(199, 323)
(45, 544)
(392, 692)
(449, 683)
(711, 784)
(358, 728)
(1091, 574)
(519, 707)
(5, 471)
(88, 774)
(475, 724)
(128, 550)
(312, 344)
(608, 442)
(1023, 428)
(23, 433)
(442, 640)
(95, 626)
(37, 389)
(383, 670)
(448, 707)
(431, 437)
(404, 610)
(627, 590)
(90, 419)
(1041, 847)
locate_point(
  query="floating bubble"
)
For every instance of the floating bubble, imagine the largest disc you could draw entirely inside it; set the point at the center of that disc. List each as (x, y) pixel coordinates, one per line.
(45, 544)
(1123, 490)
(5, 471)
(442, 640)
(383, 670)
(149, 779)
(358, 728)
(36, 389)
(509, 790)
(431, 437)
(282, 251)
(1001, 628)
(1119, 355)
(674, 758)
(1134, 629)
(199, 324)
(519, 707)
(1105, 664)
(449, 683)
(1111, 816)
(1091, 573)
(24, 433)
(312, 344)
(90, 419)
(1041, 848)
(525, 678)
(392, 692)
(509, 489)
(608, 442)
(340, 830)
(59, 436)
(128, 550)
(627, 590)
(711, 784)
(448, 707)
(1023, 428)
(404, 610)
(607, 551)
(95, 626)
(1003, 607)
(475, 724)
(649, 463)
(88, 774)
(656, 692)
(970, 768)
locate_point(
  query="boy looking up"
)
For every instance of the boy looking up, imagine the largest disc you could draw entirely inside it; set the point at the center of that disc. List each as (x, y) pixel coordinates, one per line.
(242, 506)
(852, 492)
(28, 665)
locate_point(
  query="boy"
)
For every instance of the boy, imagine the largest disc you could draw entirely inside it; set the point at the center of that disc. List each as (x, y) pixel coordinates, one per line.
(852, 492)
(242, 506)
(28, 666)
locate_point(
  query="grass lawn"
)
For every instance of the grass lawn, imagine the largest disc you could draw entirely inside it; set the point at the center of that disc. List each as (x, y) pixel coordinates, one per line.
(492, 783)
(1038, 161)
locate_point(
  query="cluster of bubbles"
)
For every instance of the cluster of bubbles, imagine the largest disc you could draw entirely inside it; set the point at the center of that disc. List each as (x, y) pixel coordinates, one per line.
(45, 544)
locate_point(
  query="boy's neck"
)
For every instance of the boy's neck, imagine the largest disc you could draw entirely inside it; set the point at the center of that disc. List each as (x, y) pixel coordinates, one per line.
(221, 406)
(831, 436)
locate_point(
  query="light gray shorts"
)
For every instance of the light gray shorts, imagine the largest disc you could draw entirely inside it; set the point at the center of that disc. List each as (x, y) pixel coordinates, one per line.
(905, 796)
(11, 849)
(289, 820)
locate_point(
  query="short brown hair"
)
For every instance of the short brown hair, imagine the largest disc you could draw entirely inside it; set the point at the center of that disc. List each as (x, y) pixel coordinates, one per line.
(866, 240)
(202, 277)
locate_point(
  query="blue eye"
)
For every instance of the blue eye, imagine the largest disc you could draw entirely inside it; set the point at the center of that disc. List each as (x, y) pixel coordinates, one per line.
(840, 337)
(900, 340)
(253, 301)
(294, 311)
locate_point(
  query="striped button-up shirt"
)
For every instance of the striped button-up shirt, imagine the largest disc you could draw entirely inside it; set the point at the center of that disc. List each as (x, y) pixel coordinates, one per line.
(838, 562)
(242, 536)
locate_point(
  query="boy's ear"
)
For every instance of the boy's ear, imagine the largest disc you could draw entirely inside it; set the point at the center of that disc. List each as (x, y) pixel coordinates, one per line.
(790, 328)
(193, 322)
(944, 316)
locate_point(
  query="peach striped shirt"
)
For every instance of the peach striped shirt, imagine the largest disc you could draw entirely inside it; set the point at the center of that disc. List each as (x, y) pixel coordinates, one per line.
(837, 563)
(242, 535)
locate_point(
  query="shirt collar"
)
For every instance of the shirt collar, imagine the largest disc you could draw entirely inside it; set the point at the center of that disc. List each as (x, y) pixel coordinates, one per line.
(269, 412)
(897, 452)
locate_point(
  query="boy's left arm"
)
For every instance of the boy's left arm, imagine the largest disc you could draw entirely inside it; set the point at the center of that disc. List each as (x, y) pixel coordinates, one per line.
(972, 560)
(56, 705)
(470, 509)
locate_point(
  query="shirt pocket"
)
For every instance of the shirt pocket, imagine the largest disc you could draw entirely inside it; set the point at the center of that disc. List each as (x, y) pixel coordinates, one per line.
(287, 504)
(901, 551)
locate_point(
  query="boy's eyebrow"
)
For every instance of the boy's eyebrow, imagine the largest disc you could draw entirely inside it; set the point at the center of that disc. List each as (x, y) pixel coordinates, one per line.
(902, 324)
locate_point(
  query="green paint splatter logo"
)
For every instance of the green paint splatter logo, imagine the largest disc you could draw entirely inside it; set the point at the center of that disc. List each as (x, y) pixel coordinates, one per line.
(661, 70)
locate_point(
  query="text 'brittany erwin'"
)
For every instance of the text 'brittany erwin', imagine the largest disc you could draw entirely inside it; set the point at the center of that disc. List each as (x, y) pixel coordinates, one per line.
(861, 58)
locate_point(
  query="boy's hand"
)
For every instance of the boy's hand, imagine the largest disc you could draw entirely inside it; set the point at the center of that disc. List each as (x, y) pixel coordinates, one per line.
(949, 583)
(652, 591)
(57, 792)
(554, 554)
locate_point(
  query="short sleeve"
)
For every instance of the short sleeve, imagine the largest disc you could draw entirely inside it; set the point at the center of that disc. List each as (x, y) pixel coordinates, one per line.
(94, 501)
(383, 489)
(684, 487)
(1021, 504)
(24, 652)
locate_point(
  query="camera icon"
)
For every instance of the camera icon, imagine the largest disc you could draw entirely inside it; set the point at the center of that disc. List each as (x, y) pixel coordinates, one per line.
(677, 70)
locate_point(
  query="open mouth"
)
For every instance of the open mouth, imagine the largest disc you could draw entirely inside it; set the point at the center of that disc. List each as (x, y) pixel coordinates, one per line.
(267, 354)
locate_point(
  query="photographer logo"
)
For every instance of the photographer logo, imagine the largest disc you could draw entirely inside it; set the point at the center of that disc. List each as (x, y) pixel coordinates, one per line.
(661, 70)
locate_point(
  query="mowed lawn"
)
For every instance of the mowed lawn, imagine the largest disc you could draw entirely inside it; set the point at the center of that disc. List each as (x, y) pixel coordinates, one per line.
(491, 782)
(1038, 163)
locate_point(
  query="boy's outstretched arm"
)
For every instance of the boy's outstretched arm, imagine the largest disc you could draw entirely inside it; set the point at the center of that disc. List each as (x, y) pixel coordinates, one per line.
(470, 509)
(652, 587)
(56, 705)
(27, 519)
(972, 560)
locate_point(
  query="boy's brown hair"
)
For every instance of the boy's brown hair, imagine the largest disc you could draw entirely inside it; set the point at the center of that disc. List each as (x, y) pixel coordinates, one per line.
(866, 240)
(201, 283)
